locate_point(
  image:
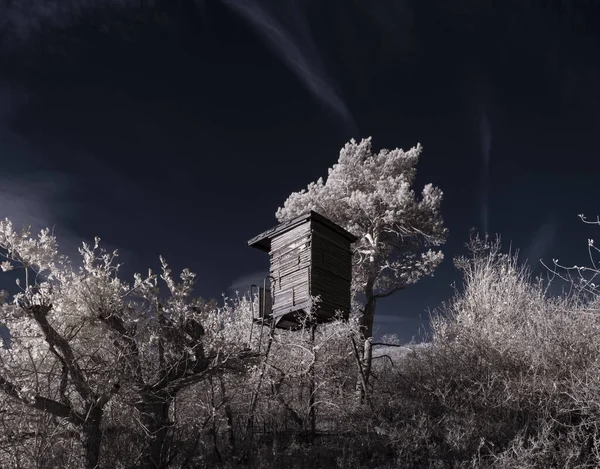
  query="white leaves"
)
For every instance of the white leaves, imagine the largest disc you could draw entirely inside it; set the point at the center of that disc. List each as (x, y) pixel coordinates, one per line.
(95, 313)
(180, 292)
(147, 287)
(38, 253)
(371, 196)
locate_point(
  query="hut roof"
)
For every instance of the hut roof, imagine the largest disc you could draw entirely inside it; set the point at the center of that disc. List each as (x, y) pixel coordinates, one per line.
(263, 240)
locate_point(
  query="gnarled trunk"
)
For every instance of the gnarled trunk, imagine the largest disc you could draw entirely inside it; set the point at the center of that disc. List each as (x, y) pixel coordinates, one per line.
(154, 413)
(91, 437)
(368, 321)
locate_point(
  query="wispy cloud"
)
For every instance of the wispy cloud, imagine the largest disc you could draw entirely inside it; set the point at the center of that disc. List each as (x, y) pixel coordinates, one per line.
(292, 43)
(243, 282)
(21, 20)
(281, 24)
(29, 195)
(485, 133)
(541, 242)
(35, 194)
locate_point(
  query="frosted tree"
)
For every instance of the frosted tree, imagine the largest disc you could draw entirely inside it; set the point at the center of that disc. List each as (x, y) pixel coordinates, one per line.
(82, 340)
(371, 196)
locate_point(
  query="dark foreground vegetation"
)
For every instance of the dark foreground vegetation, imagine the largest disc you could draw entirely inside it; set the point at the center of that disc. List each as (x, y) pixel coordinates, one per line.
(510, 379)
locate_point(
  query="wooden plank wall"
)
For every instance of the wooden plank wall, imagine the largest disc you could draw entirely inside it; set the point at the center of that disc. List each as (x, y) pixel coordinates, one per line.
(310, 259)
(331, 273)
(290, 264)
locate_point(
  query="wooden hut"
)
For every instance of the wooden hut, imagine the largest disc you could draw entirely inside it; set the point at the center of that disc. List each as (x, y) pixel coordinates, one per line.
(309, 256)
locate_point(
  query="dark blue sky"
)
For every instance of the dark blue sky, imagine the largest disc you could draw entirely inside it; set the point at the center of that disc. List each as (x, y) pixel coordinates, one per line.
(178, 128)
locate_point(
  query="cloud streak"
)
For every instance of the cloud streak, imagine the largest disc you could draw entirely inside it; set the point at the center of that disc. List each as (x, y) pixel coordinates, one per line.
(297, 50)
(28, 196)
(35, 194)
(485, 133)
(286, 34)
(242, 283)
(542, 241)
(22, 19)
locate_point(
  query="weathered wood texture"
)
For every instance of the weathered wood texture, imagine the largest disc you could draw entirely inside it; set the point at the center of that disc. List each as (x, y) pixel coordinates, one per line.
(309, 256)
(331, 272)
(290, 263)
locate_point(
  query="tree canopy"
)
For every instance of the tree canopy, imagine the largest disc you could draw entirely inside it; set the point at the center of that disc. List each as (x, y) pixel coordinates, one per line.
(372, 196)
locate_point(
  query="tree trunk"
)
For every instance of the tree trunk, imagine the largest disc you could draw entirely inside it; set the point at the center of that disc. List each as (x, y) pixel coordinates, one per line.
(91, 437)
(312, 413)
(228, 415)
(154, 410)
(368, 321)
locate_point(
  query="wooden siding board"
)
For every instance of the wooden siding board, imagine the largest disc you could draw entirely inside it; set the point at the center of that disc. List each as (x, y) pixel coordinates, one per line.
(318, 245)
(331, 272)
(327, 251)
(282, 258)
(329, 235)
(290, 236)
(307, 258)
(263, 240)
(335, 269)
(299, 262)
(322, 224)
(291, 279)
(292, 289)
(300, 307)
(300, 236)
(296, 292)
(338, 301)
(339, 296)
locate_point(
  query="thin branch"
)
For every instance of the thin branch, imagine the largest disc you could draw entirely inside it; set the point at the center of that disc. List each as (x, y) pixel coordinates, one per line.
(390, 293)
(385, 356)
(382, 344)
(37, 402)
(132, 353)
(54, 339)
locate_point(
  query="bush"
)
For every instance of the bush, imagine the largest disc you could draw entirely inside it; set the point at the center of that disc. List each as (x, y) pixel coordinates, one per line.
(509, 379)
(511, 376)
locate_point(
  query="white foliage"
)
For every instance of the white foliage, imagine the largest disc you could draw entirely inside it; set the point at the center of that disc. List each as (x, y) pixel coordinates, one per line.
(371, 196)
(38, 253)
(103, 329)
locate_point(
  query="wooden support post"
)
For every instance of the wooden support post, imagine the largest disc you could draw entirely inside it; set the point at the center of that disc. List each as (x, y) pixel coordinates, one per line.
(361, 373)
(312, 388)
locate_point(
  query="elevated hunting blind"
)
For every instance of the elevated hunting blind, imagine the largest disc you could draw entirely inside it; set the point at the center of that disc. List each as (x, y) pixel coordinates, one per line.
(310, 256)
